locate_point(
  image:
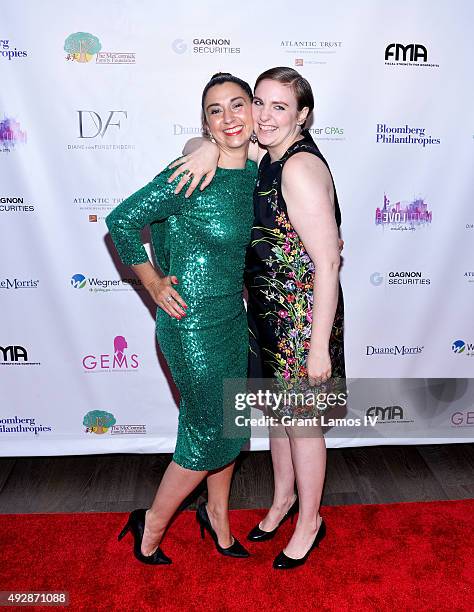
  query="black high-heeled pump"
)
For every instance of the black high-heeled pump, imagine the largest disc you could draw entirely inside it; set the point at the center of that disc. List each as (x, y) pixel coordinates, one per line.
(136, 524)
(259, 535)
(281, 561)
(234, 550)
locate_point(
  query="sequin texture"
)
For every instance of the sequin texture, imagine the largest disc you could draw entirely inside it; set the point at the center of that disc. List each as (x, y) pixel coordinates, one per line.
(202, 241)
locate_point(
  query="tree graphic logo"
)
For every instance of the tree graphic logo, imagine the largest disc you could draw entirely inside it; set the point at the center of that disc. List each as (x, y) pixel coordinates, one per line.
(98, 421)
(81, 46)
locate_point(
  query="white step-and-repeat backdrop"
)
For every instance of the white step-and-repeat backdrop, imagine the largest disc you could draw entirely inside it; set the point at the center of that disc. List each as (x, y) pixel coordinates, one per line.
(96, 98)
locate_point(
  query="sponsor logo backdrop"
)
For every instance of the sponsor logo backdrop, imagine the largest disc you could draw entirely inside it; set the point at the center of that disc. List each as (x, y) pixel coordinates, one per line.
(95, 108)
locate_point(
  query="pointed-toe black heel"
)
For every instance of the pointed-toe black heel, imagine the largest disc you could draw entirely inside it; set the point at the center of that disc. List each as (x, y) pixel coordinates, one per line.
(136, 525)
(234, 550)
(259, 535)
(283, 562)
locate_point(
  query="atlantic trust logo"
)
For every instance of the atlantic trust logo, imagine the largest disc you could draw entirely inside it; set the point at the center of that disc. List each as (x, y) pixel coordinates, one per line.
(82, 47)
(118, 361)
(11, 134)
(403, 216)
(95, 284)
(99, 422)
(204, 46)
(311, 51)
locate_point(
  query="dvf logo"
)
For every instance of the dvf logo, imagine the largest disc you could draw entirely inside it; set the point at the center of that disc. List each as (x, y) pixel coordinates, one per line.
(91, 124)
(400, 52)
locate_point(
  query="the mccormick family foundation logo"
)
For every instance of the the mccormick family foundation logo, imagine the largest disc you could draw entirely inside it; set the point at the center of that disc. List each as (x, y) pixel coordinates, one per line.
(204, 46)
(79, 281)
(403, 215)
(10, 134)
(82, 47)
(412, 54)
(99, 422)
(461, 347)
(119, 361)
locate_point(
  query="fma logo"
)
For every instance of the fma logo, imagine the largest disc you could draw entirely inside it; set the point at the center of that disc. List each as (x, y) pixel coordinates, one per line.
(401, 53)
(15, 355)
(388, 414)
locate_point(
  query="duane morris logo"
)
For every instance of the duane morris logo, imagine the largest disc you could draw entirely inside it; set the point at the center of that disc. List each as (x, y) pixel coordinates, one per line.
(395, 350)
(18, 283)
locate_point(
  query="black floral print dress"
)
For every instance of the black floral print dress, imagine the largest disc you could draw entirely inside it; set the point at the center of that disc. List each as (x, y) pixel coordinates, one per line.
(280, 279)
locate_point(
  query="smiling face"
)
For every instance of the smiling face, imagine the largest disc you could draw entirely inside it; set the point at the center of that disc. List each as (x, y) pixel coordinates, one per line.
(228, 115)
(277, 120)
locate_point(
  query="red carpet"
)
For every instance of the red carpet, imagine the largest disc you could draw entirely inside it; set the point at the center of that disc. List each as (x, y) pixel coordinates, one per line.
(405, 556)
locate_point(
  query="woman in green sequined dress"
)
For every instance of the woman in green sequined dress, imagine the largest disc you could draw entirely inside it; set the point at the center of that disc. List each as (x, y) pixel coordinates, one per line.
(199, 244)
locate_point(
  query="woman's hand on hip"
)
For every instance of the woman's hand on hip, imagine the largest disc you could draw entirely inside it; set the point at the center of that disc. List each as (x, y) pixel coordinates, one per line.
(318, 367)
(166, 297)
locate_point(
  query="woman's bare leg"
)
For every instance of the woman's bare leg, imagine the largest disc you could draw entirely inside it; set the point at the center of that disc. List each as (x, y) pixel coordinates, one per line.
(218, 489)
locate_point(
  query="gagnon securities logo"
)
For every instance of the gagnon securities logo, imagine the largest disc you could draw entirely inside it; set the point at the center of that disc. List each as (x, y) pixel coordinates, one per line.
(203, 45)
(388, 414)
(11, 134)
(310, 51)
(93, 127)
(104, 285)
(400, 278)
(16, 355)
(100, 422)
(412, 54)
(461, 347)
(404, 134)
(403, 216)
(19, 425)
(9, 52)
(396, 350)
(118, 361)
(9, 204)
(83, 47)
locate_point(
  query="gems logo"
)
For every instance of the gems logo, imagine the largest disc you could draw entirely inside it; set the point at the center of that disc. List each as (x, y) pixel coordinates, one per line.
(15, 355)
(412, 54)
(10, 134)
(460, 347)
(79, 281)
(395, 350)
(204, 46)
(21, 425)
(388, 414)
(16, 283)
(387, 134)
(314, 51)
(107, 362)
(82, 46)
(9, 204)
(462, 419)
(403, 215)
(8, 53)
(399, 278)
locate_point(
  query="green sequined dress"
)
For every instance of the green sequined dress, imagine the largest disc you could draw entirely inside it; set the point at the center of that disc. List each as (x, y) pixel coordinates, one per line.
(202, 241)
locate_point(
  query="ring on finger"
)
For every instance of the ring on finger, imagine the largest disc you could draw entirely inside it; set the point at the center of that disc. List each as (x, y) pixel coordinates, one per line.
(168, 298)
